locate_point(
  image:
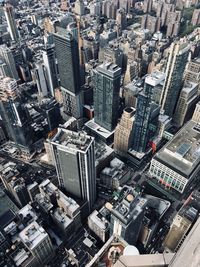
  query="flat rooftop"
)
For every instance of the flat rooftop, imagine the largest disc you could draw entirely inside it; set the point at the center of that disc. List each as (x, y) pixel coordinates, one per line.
(102, 151)
(129, 208)
(99, 220)
(72, 140)
(28, 212)
(62, 218)
(109, 69)
(189, 86)
(155, 78)
(32, 235)
(182, 153)
(96, 128)
(48, 188)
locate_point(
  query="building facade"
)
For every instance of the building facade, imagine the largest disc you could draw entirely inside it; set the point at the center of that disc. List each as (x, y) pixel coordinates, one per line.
(75, 163)
(176, 63)
(176, 165)
(10, 18)
(51, 67)
(106, 95)
(147, 112)
(67, 54)
(124, 132)
(187, 99)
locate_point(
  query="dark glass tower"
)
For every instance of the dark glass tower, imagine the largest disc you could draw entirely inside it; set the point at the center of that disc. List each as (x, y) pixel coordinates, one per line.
(147, 112)
(67, 54)
(14, 115)
(106, 95)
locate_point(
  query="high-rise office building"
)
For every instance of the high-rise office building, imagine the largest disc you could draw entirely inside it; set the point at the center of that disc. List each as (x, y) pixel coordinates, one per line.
(75, 163)
(192, 71)
(124, 132)
(177, 61)
(67, 53)
(9, 63)
(14, 115)
(186, 102)
(147, 112)
(10, 18)
(66, 47)
(127, 216)
(49, 59)
(38, 242)
(106, 95)
(41, 79)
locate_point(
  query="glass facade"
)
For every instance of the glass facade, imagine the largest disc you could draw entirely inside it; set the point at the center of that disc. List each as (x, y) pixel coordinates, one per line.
(106, 95)
(143, 117)
(67, 54)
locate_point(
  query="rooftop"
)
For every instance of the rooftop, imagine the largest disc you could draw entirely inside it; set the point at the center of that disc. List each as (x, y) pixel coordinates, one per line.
(155, 78)
(62, 218)
(189, 86)
(72, 140)
(47, 189)
(109, 69)
(28, 213)
(183, 152)
(32, 235)
(99, 220)
(102, 151)
(129, 208)
(93, 126)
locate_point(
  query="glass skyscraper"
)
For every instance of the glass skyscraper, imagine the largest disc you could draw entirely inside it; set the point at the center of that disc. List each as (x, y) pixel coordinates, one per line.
(14, 116)
(147, 112)
(106, 95)
(67, 54)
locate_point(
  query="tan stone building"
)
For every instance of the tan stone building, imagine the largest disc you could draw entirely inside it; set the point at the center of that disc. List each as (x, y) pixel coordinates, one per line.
(123, 132)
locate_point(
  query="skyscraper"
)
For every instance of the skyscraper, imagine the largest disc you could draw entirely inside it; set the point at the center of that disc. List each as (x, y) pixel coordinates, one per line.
(66, 47)
(185, 105)
(10, 18)
(192, 72)
(38, 242)
(106, 95)
(146, 113)
(75, 163)
(9, 63)
(13, 114)
(41, 79)
(49, 59)
(177, 61)
(67, 54)
(124, 131)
